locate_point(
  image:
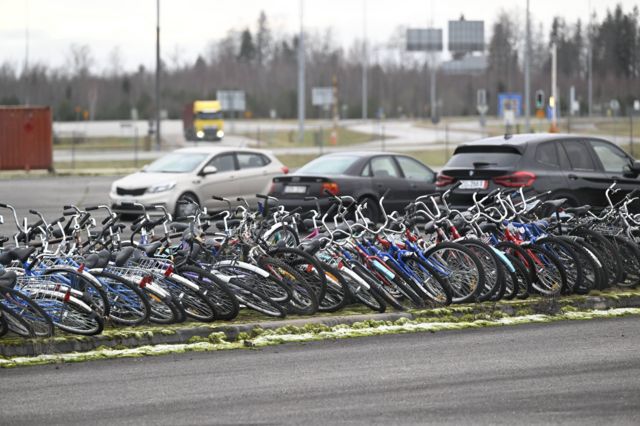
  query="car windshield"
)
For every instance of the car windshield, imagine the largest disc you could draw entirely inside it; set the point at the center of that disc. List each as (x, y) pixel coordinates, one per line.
(330, 165)
(177, 162)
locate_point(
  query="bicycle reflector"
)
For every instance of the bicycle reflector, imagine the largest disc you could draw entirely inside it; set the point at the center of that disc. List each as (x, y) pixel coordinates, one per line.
(516, 180)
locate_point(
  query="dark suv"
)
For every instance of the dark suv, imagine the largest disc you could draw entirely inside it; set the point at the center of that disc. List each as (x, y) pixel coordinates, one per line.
(578, 168)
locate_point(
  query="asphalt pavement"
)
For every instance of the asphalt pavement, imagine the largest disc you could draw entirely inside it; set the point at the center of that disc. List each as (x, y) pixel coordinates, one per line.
(579, 372)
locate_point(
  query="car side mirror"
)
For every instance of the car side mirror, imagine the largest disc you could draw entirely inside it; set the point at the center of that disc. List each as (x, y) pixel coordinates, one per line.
(209, 170)
(633, 169)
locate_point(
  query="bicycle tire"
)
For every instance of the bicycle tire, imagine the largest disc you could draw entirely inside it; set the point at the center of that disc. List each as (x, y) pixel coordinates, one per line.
(304, 299)
(250, 295)
(610, 257)
(16, 325)
(4, 327)
(94, 295)
(569, 259)
(28, 310)
(494, 271)
(550, 274)
(462, 263)
(127, 302)
(360, 293)
(305, 263)
(435, 287)
(337, 294)
(225, 302)
(630, 255)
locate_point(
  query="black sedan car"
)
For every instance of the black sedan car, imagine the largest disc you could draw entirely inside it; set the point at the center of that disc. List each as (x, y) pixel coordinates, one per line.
(579, 168)
(362, 175)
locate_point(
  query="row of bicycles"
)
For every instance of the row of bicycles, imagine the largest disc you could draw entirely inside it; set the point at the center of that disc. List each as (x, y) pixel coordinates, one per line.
(87, 269)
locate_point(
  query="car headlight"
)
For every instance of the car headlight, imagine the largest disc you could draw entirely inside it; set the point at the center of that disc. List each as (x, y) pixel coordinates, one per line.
(161, 187)
(113, 187)
(220, 134)
(200, 134)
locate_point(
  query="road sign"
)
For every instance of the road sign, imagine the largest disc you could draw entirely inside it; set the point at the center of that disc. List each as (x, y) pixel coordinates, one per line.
(636, 105)
(466, 36)
(424, 39)
(614, 105)
(322, 96)
(481, 101)
(509, 101)
(232, 100)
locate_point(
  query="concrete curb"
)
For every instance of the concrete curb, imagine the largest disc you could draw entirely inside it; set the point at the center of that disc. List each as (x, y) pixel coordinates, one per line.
(124, 338)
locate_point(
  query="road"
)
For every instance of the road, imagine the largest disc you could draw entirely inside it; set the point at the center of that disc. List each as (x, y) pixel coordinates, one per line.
(581, 372)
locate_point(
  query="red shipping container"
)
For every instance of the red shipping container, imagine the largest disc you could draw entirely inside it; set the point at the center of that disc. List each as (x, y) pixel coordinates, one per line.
(25, 138)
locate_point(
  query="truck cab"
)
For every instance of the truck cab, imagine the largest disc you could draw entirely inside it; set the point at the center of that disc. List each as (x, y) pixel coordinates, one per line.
(202, 120)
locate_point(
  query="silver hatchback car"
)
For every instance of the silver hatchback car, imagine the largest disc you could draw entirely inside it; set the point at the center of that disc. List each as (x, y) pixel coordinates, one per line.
(197, 174)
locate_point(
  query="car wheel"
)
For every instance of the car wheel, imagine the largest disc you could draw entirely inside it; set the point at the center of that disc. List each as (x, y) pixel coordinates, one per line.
(372, 209)
(185, 205)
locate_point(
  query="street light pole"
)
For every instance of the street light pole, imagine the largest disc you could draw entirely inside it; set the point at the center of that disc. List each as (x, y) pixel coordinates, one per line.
(590, 63)
(301, 85)
(365, 61)
(527, 76)
(157, 88)
(554, 87)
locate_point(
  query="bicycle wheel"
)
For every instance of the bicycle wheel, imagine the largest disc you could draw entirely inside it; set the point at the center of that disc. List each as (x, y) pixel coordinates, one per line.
(610, 257)
(630, 255)
(189, 295)
(69, 313)
(249, 293)
(519, 279)
(550, 274)
(24, 307)
(592, 270)
(304, 300)
(434, 286)
(462, 268)
(127, 302)
(225, 302)
(16, 324)
(569, 259)
(164, 310)
(4, 327)
(358, 289)
(403, 288)
(273, 289)
(281, 235)
(94, 295)
(491, 264)
(337, 293)
(307, 265)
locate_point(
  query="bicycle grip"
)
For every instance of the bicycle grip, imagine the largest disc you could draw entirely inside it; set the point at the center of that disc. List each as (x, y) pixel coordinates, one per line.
(91, 208)
(4, 206)
(264, 197)
(455, 185)
(215, 197)
(332, 210)
(33, 211)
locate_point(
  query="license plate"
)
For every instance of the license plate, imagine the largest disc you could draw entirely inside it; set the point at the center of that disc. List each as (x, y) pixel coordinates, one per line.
(474, 184)
(294, 189)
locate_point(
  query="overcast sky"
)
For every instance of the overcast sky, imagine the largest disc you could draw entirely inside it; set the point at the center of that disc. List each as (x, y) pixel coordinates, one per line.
(190, 25)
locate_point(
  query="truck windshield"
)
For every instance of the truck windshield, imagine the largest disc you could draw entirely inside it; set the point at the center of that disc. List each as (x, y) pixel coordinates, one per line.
(177, 162)
(208, 115)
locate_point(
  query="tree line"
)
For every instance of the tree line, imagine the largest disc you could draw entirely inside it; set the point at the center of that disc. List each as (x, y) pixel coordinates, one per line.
(264, 64)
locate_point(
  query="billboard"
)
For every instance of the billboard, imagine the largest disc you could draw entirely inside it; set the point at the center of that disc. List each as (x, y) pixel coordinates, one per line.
(466, 36)
(322, 96)
(424, 39)
(231, 100)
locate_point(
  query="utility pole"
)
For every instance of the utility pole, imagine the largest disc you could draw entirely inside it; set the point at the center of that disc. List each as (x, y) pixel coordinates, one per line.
(527, 76)
(301, 85)
(26, 51)
(365, 60)
(554, 88)
(157, 88)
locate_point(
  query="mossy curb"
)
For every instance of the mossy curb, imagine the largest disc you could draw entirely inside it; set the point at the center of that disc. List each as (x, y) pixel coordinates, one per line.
(124, 338)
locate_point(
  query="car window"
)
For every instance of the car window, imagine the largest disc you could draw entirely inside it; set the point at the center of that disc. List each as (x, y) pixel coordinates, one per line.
(413, 170)
(247, 160)
(579, 156)
(383, 167)
(335, 164)
(366, 171)
(612, 158)
(224, 163)
(546, 153)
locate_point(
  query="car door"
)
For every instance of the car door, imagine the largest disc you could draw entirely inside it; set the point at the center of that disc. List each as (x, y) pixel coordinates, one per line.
(613, 161)
(420, 179)
(385, 174)
(222, 183)
(252, 177)
(585, 179)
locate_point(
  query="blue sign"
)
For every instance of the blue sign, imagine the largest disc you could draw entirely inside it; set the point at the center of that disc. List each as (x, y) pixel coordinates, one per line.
(511, 101)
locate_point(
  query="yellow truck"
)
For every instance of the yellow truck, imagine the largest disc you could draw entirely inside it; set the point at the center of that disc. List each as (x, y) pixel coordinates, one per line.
(202, 120)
